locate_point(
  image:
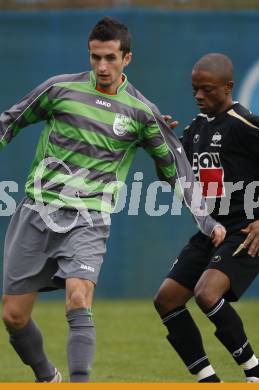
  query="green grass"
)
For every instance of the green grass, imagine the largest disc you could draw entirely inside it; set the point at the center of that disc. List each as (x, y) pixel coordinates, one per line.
(131, 344)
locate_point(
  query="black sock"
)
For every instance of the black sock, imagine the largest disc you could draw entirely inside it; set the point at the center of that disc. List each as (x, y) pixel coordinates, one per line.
(185, 337)
(230, 331)
(253, 372)
(210, 379)
(28, 344)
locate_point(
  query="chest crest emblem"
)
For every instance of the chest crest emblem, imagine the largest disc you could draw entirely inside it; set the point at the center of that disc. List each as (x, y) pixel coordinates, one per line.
(121, 124)
(216, 138)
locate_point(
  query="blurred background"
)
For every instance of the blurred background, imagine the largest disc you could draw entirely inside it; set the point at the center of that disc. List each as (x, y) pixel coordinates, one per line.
(41, 38)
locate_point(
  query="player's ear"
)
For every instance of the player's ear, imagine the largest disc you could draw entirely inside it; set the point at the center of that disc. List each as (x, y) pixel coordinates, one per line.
(229, 86)
(127, 58)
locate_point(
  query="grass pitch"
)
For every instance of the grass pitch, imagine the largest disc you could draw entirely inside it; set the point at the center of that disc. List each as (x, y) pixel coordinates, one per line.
(131, 343)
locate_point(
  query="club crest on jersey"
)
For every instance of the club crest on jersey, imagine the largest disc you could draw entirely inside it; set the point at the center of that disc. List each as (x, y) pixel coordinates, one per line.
(121, 124)
(216, 138)
(208, 170)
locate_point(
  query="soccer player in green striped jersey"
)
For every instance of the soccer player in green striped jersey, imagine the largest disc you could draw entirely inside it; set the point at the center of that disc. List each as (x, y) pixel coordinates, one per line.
(57, 237)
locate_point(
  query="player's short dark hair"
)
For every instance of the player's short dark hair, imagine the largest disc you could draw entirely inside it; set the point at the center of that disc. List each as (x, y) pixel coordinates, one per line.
(109, 29)
(217, 63)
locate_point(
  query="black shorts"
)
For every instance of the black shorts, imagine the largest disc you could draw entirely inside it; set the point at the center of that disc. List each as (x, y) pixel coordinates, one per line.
(200, 254)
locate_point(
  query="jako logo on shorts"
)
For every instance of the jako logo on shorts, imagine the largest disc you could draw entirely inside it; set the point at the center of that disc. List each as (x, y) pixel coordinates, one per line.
(216, 259)
(87, 267)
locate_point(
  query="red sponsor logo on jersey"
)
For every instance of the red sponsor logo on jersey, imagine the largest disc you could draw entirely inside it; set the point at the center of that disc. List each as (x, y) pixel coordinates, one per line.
(209, 171)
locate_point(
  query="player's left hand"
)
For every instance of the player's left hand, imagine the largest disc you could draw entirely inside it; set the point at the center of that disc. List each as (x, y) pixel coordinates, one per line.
(218, 235)
(252, 240)
(169, 120)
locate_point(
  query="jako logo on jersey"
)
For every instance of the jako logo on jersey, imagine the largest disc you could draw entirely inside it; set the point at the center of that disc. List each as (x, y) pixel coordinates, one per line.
(87, 267)
(208, 170)
(196, 138)
(216, 138)
(103, 103)
(121, 124)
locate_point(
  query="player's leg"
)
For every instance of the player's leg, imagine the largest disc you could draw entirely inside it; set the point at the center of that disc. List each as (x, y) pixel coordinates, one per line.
(170, 302)
(80, 257)
(25, 336)
(81, 338)
(230, 278)
(26, 271)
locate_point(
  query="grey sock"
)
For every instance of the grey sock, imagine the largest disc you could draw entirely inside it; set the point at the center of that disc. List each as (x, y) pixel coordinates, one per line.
(28, 344)
(81, 344)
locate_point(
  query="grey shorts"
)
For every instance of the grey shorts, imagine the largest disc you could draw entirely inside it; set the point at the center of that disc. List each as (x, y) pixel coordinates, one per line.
(36, 258)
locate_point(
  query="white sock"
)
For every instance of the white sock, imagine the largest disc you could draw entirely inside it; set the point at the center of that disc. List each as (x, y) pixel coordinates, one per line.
(251, 363)
(205, 373)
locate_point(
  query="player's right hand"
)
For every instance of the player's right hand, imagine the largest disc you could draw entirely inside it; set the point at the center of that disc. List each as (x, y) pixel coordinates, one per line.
(218, 235)
(252, 240)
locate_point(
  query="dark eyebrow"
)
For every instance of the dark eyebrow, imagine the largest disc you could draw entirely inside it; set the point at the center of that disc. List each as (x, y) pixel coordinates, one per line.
(95, 55)
(203, 85)
(110, 55)
(107, 56)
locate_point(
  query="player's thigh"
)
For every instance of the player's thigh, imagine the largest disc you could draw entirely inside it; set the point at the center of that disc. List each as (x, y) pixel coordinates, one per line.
(81, 251)
(17, 309)
(241, 269)
(188, 267)
(24, 252)
(79, 293)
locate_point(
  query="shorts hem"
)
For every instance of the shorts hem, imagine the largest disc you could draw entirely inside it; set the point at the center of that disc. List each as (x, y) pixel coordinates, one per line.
(59, 280)
(181, 282)
(28, 291)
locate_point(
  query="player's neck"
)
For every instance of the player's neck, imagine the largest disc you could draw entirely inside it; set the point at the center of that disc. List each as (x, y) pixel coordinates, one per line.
(224, 108)
(111, 90)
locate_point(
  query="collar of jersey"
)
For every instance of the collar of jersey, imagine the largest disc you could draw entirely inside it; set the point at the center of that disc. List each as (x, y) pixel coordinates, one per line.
(210, 119)
(119, 90)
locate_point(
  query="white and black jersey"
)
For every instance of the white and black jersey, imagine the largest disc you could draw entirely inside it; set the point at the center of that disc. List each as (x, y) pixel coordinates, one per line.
(224, 154)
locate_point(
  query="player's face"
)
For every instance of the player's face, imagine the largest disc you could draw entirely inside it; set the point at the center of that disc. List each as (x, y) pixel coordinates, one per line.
(212, 94)
(108, 63)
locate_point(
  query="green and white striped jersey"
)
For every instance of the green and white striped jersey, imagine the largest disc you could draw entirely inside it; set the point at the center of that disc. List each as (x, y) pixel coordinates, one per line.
(89, 141)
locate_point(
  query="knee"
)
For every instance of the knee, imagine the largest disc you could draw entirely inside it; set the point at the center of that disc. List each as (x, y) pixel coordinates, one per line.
(162, 304)
(157, 302)
(75, 300)
(13, 318)
(79, 293)
(171, 296)
(205, 297)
